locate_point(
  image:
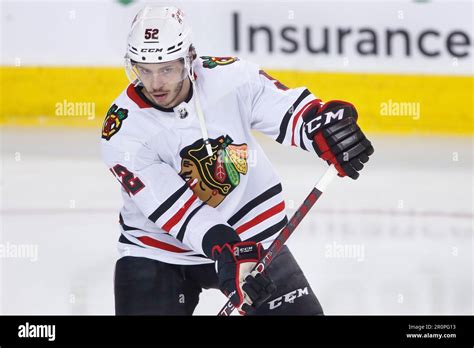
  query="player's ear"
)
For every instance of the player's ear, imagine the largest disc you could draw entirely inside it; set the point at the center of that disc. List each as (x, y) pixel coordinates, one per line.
(192, 53)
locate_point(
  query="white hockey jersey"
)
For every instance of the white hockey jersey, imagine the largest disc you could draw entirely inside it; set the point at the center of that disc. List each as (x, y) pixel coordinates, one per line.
(173, 191)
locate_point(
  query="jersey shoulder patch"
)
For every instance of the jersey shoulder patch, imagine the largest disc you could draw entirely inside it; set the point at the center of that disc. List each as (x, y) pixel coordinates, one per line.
(211, 62)
(113, 121)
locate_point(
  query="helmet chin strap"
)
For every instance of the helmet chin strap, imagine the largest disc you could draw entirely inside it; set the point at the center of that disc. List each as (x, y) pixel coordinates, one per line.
(197, 104)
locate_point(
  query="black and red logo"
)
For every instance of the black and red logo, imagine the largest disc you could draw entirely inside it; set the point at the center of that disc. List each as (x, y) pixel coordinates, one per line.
(113, 121)
(212, 178)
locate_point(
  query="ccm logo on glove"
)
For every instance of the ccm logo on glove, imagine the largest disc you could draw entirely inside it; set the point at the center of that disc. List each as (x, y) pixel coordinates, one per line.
(314, 125)
(246, 290)
(336, 137)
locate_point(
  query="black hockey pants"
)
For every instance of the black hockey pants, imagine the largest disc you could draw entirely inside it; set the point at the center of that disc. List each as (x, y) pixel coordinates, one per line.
(149, 287)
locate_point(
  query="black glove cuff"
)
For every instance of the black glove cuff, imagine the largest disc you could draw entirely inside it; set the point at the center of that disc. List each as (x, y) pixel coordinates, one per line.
(218, 235)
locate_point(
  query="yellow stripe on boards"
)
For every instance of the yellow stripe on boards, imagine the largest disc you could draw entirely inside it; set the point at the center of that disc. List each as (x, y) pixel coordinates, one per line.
(387, 103)
(396, 104)
(58, 96)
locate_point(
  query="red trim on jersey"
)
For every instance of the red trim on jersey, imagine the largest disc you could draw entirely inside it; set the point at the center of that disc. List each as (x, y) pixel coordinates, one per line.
(132, 94)
(301, 112)
(179, 215)
(261, 217)
(161, 245)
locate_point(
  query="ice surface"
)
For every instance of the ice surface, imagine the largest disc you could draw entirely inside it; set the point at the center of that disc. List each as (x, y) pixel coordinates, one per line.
(396, 241)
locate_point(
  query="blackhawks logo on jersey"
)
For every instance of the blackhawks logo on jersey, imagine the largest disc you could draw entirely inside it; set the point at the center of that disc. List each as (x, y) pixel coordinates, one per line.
(113, 121)
(212, 178)
(212, 62)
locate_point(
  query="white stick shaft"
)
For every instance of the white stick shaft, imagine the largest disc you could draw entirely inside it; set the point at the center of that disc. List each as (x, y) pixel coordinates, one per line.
(328, 176)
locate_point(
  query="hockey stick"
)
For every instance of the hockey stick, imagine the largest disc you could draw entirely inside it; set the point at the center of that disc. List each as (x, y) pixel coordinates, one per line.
(308, 203)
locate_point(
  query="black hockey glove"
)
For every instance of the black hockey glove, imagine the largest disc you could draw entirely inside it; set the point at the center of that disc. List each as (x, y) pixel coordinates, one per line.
(336, 136)
(233, 263)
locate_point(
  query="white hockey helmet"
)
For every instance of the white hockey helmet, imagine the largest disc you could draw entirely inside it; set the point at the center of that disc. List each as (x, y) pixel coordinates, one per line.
(158, 35)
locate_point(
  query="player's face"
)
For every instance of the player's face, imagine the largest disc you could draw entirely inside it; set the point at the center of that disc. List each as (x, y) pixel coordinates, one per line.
(166, 84)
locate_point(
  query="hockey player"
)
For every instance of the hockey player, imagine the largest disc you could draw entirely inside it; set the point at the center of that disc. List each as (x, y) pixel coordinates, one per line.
(201, 199)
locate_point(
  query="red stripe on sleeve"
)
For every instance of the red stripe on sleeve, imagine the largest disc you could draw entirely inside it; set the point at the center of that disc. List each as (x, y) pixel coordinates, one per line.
(261, 217)
(301, 112)
(161, 245)
(179, 215)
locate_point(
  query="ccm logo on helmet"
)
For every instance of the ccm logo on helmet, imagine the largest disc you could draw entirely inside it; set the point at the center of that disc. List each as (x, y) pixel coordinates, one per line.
(311, 126)
(151, 50)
